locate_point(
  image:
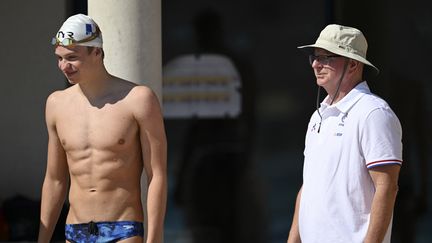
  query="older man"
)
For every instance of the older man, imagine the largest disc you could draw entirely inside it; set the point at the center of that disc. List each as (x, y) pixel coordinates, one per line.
(353, 149)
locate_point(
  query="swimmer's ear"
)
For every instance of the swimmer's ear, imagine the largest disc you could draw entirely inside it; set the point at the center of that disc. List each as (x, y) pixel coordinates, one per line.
(98, 51)
(101, 52)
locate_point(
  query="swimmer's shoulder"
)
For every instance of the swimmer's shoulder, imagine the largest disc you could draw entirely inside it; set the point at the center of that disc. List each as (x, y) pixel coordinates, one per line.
(60, 96)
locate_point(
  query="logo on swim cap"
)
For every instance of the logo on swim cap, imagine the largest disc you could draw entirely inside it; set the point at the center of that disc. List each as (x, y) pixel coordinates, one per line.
(80, 30)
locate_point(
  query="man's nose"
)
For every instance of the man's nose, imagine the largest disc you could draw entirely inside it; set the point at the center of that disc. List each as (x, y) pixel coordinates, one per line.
(64, 65)
(315, 64)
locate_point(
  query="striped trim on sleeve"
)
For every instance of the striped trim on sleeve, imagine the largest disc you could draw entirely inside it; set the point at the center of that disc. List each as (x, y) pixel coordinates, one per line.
(383, 162)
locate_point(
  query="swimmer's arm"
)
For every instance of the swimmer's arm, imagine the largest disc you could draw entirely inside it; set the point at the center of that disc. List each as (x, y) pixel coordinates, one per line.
(154, 149)
(385, 179)
(56, 179)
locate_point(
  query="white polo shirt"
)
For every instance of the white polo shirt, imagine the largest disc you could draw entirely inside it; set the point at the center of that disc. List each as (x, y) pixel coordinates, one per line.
(357, 133)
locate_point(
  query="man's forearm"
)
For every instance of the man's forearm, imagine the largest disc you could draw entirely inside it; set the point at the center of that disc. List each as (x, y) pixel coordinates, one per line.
(381, 213)
(156, 206)
(294, 234)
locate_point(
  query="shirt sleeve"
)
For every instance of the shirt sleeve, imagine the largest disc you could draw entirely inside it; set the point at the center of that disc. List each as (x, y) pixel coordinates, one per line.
(381, 138)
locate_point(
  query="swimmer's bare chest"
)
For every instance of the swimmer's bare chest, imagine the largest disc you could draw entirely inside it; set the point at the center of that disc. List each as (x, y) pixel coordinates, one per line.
(103, 153)
(99, 140)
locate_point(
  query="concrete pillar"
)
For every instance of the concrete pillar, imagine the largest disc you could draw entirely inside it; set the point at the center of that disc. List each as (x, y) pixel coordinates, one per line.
(131, 32)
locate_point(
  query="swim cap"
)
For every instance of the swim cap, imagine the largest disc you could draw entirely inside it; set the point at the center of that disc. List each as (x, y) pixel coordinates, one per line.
(80, 30)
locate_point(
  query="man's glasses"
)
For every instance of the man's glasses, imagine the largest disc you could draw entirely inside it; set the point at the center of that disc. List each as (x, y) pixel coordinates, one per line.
(322, 59)
(71, 41)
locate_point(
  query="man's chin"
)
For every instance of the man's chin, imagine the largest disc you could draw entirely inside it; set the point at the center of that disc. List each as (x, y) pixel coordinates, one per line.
(72, 81)
(320, 81)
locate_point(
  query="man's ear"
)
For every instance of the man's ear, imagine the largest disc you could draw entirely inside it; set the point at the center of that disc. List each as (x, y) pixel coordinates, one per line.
(353, 65)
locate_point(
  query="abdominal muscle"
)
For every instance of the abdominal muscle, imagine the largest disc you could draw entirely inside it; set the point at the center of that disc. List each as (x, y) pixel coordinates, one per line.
(104, 187)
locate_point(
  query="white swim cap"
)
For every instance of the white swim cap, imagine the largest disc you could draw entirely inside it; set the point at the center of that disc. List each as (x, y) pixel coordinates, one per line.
(80, 30)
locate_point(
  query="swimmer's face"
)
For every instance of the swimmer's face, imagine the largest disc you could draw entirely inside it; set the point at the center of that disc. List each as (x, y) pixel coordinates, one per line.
(75, 61)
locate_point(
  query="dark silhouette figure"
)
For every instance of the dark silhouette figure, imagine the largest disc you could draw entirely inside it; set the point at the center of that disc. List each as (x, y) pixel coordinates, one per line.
(215, 181)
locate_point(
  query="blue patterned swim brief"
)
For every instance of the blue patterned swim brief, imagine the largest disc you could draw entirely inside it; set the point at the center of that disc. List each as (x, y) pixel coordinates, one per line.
(102, 232)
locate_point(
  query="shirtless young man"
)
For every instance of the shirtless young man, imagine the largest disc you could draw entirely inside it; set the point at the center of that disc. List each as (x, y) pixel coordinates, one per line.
(103, 133)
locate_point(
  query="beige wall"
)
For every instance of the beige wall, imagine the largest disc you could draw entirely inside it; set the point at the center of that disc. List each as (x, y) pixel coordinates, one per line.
(28, 75)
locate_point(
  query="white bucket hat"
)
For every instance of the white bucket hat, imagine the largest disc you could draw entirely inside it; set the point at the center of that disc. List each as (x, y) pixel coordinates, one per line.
(80, 30)
(345, 41)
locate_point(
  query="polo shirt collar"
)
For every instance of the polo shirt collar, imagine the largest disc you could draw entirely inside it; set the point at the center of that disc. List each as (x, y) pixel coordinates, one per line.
(345, 104)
